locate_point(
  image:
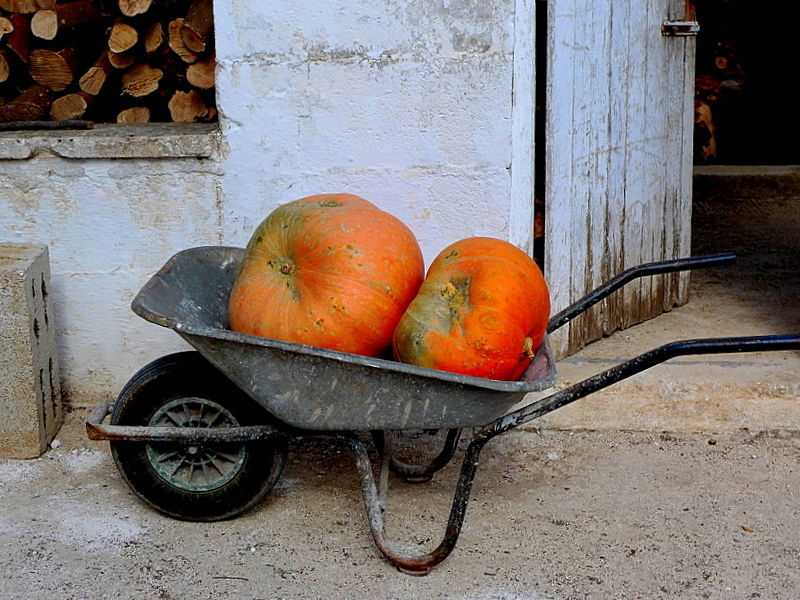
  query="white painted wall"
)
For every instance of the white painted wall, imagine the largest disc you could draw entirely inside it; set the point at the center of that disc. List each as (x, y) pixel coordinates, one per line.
(423, 107)
(109, 224)
(405, 102)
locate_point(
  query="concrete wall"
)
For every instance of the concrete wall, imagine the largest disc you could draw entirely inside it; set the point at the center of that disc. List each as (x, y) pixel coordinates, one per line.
(422, 106)
(408, 103)
(109, 224)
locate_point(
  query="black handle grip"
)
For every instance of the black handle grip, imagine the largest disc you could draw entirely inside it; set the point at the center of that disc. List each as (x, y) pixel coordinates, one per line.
(654, 268)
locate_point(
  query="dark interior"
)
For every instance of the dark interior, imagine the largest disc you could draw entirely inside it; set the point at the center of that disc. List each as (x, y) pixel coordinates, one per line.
(747, 62)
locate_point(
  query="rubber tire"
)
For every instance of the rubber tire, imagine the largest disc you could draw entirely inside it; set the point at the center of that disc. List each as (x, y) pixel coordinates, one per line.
(189, 375)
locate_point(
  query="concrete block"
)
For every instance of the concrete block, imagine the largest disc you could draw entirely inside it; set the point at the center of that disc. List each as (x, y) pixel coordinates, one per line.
(31, 412)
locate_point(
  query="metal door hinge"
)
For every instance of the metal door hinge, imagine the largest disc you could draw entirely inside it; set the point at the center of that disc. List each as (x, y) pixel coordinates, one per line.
(679, 28)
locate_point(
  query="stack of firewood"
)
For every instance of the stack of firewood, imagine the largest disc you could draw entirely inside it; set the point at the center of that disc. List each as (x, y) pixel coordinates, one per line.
(107, 61)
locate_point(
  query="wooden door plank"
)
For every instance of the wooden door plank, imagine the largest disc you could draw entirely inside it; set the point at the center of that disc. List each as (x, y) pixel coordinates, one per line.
(680, 124)
(559, 255)
(580, 133)
(619, 84)
(523, 106)
(619, 159)
(591, 156)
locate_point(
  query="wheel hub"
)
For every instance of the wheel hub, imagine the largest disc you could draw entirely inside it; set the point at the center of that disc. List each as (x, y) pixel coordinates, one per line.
(195, 467)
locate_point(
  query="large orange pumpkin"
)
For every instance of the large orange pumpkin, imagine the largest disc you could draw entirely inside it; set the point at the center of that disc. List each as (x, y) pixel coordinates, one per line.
(332, 271)
(482, 310)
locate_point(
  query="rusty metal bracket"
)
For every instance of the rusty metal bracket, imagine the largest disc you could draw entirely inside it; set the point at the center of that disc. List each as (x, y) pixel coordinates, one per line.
(680, 28)
(96, 430)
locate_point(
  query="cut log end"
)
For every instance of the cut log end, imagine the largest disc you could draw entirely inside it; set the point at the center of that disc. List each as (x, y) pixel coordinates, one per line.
(136, 114)
(44, 24)
(121, 60)
(188, 107)
(201, 74)
(5, 68)
(70, 106)
(141, 80)
(52, 69)
(6, 27)
(177, 44)
(122, 37)
(131, 8)
(93, 80)
(154, 37)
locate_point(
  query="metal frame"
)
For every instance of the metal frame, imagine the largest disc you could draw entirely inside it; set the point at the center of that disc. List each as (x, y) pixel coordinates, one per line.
(375, 492)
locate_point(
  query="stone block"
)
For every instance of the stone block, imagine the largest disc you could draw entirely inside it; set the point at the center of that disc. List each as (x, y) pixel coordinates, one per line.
(31, 411)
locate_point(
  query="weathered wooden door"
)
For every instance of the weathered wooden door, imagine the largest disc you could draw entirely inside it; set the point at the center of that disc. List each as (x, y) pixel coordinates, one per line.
(619, 106)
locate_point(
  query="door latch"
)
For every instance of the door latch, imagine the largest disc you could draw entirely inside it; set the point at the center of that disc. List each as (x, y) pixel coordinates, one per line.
(679, 28)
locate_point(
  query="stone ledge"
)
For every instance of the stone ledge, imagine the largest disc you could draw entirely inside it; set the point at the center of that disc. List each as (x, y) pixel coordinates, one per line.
(159, 140)
(746, 181)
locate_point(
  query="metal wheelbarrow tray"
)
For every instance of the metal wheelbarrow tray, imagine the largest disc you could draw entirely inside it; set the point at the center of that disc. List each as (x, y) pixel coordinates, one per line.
(187, 444)
(314, 388)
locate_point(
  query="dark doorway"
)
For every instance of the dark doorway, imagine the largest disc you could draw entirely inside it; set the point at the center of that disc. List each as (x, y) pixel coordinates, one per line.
(747, 60)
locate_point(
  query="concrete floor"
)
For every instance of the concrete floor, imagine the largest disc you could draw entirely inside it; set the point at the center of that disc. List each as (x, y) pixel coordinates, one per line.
(757, 217)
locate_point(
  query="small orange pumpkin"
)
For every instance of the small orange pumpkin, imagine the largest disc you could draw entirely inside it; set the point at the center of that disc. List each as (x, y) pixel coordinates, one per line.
(332, 271)
(482, 310)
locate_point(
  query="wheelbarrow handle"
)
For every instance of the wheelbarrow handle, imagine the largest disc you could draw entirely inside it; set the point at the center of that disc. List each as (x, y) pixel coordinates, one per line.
(654, 268)
(725, 345)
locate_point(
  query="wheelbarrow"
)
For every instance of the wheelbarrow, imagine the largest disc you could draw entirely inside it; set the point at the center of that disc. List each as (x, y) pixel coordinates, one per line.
(203, 435)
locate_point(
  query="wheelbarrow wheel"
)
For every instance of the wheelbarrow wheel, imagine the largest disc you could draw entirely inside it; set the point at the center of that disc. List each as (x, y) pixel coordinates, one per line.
(202, 481)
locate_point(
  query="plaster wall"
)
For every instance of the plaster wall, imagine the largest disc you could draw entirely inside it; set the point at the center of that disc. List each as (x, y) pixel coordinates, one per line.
(412, 104)
(109, 224)
(407, 103)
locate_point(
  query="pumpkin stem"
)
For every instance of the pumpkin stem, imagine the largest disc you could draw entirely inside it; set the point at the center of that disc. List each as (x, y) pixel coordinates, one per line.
(287, 268)
(527, 348)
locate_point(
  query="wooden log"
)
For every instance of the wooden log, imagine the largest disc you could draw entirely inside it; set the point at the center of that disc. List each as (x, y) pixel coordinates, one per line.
(705, 135)
(197, 26)
(135, 114)
(201, 73)
(6, 27)
(176, 42)
(187, 107)
(30, 105)
(131, 8)
(18, 39)
(70, 106)
(52, 69)
(95, 77)
(154, 37)
(122, 37)
(5, 67)
(121, 60)
(22, 7)
(141, 80)
(46, 24)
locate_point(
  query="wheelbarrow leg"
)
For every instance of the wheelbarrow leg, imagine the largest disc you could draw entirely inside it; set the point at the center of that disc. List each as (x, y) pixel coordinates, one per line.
(374, 498)
(375, 502)
(423, 472)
